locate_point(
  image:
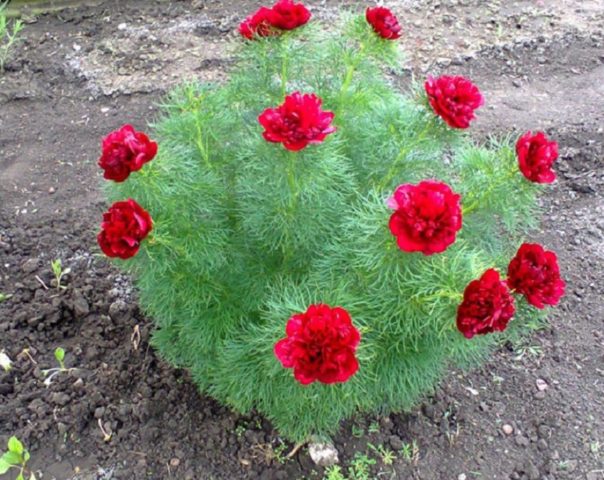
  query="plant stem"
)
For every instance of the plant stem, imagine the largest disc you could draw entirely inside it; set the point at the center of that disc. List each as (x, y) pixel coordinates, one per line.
(503, 179)
(405, 151)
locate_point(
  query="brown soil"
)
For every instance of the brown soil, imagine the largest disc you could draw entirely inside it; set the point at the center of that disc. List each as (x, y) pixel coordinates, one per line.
(83, 72)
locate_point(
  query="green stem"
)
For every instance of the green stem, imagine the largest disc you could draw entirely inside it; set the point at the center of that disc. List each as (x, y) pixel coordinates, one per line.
(284, 65)
(504, 179)
(404, 152)
(350, 69)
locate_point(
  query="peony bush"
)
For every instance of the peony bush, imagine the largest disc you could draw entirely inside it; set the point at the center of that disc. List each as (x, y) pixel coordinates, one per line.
(311, 242)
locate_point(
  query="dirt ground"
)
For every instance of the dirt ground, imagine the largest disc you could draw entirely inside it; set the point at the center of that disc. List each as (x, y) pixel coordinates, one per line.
(535, 411)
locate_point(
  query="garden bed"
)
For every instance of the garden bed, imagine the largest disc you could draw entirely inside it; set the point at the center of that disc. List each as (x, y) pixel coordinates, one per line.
(86, 71)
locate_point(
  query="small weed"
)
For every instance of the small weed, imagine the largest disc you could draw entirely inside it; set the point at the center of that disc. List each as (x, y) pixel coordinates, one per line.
(334, 473)
(57, 270)
(410, 452)
(240, 430)
(386, 455)
(53, 372)
(16, 457)
(5, 361)
(374, 427)
(357, 432)
(9, 36)
(534, 351)
(360, 467)
(4, 296)
(594, 447)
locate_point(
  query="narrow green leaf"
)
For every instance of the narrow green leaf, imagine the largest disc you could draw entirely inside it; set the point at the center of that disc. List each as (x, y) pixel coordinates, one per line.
(19, 477)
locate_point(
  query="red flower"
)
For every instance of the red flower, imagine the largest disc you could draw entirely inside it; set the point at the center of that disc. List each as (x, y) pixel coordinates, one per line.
(297, 122)
(427, 216)
(265, 22)
(487, 306)
(124, 226)
(383, 22)
(288, 15)
(534, 272)
(125, 151)
(320, 345)
(454, 99)
(257, 24)
(536, 155)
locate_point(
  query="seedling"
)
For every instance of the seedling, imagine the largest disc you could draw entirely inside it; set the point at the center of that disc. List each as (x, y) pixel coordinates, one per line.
(57, 270)
(374, 427)
(410, 452)
(53, 372)
(16, 457)
(386, 455)
(357, 432)
(5, 361)
(334, 473)
(9, 35)
(4, 296)
(360, 467)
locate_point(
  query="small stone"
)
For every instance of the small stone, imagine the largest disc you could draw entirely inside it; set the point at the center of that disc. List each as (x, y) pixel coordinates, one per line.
(461, 476)
(542, 444)
(122, 26)
(522, 441)
(174, 462)
(540, 395)
(531, 471)
(507, 429)
(541, 384)
(395, 442)
(52, 190)
(323, 454)
(80, 305)
(59, 398)
(99, 412)
(30, 265)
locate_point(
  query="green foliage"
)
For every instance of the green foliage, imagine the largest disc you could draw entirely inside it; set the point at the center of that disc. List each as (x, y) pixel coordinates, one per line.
(15, 457)
(60, 357)
(9, 36)
(246, 233)
(59, 273)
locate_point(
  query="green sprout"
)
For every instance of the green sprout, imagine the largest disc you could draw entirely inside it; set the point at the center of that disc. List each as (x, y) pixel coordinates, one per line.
(15, 457)
(410, 452)
(4, 296)
(360, 467)
(53, 372)
(57, 270)
(5, 361)
(334, 473)
(9, 35)
(386, 455)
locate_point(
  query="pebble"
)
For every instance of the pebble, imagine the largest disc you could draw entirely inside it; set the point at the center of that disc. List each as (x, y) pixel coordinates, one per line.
(59, 398)
(395, 442)
(323, 454)
(522, 441)
(30, 265)
(461, 476)
(507, 429)
(51, 190)
(174, 462)
(541, 384)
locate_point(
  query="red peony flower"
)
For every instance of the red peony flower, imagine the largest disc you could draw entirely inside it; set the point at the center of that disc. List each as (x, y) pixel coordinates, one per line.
(454, 99)
(487, 306)
(534, 272)
(124, 226)
(427, 216)
(125, 151)
(257, 24)
(297, 122)
(265, 22)
(536, 155)
(383, 22)
(320, 345)
(288, 15)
